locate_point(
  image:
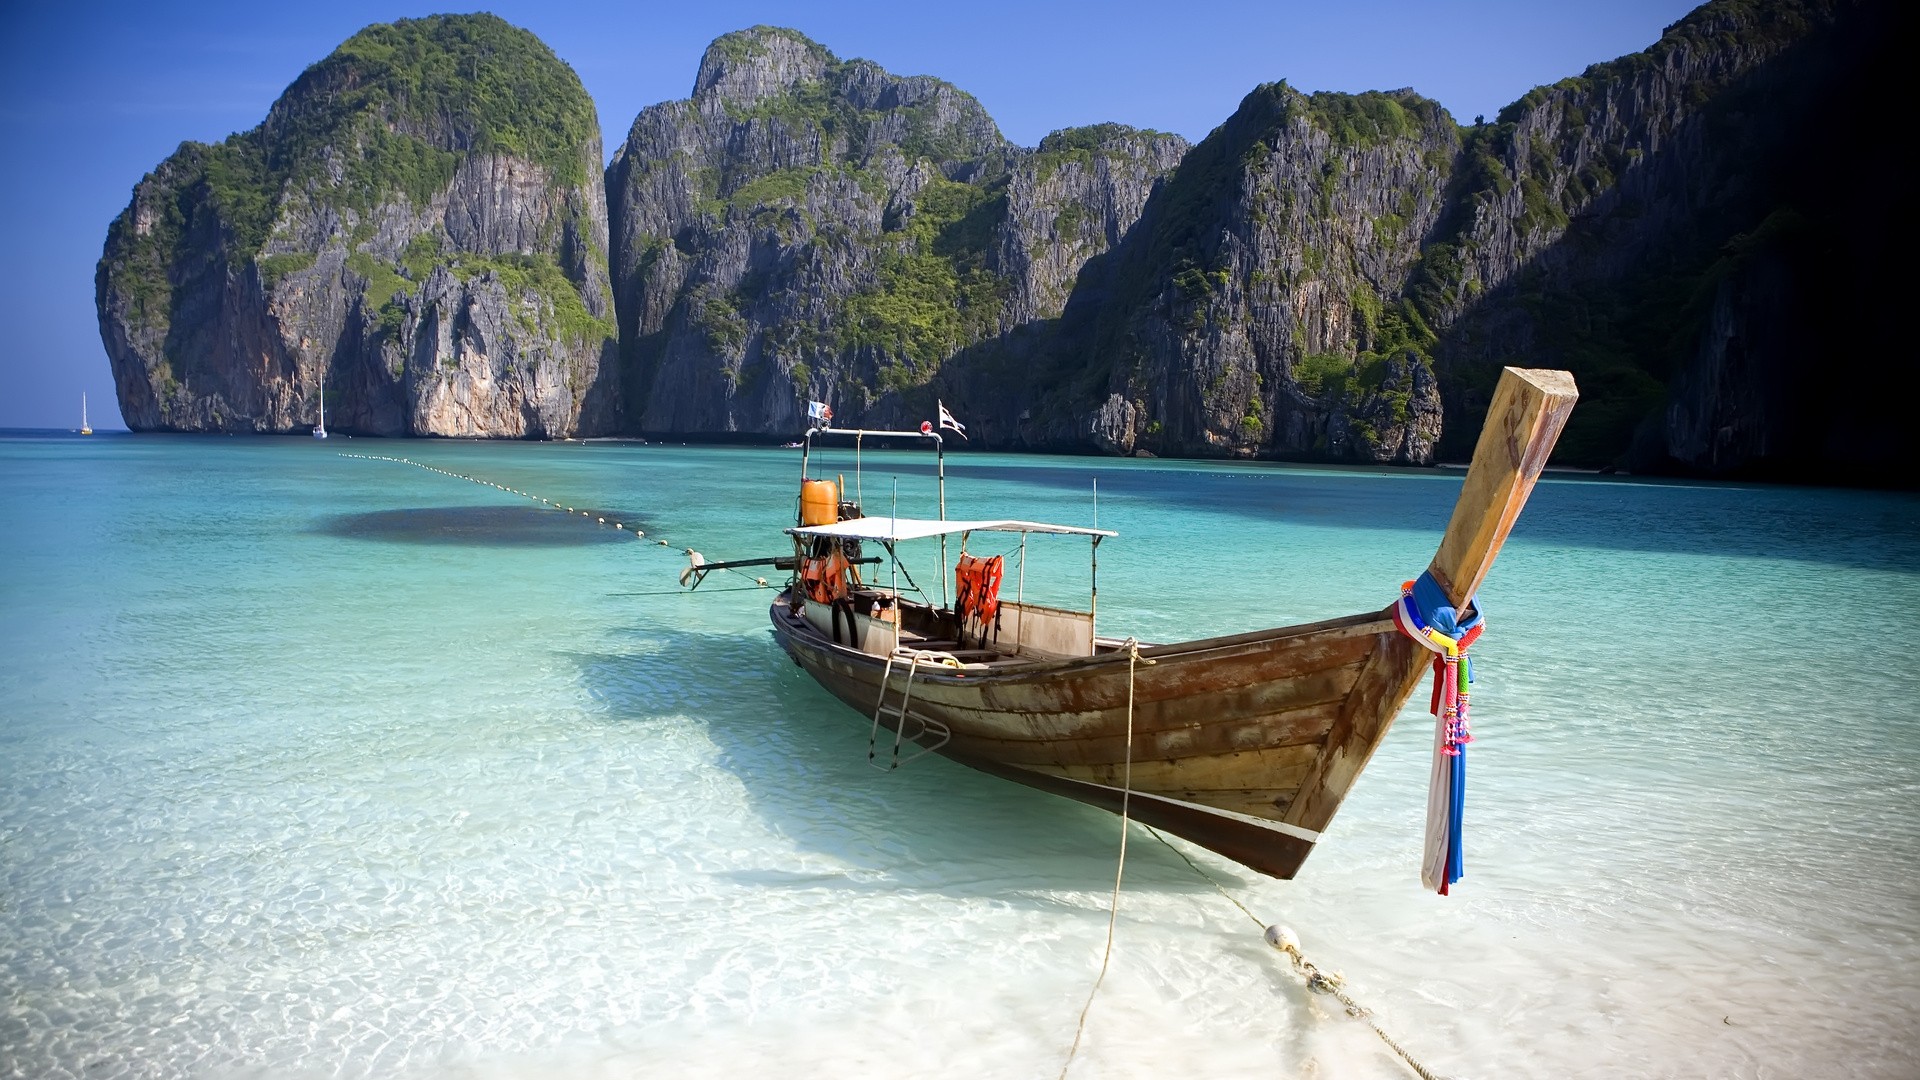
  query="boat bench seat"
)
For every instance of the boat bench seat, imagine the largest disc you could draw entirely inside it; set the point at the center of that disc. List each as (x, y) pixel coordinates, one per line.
(950, 648)
(943, 650)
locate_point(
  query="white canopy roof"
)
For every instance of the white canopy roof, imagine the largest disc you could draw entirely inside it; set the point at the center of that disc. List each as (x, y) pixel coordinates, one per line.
(888, 529)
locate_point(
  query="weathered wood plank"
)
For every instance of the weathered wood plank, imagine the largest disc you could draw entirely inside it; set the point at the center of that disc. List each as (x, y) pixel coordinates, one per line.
(1295, 727)
(1040, 716)
(1279, 768)
(1376, 699)
(1251, 845)
(1530, 406)
(1163, 684)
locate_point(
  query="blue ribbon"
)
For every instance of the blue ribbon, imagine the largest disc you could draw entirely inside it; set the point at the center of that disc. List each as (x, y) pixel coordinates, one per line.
(1433, 609)
(1456, 858)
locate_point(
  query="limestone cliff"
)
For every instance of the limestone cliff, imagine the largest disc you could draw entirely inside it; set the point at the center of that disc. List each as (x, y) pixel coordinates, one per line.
(417, 230)
(1259, 310)
(421, 227)
(1333, 275)
(1330, 276)
(810, 228)
(1668, 225)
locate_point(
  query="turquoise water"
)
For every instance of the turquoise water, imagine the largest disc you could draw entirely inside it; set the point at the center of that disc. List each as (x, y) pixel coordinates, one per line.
(313, 765)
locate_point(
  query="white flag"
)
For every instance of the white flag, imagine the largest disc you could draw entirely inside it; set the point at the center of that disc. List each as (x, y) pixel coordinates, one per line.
(947, 421)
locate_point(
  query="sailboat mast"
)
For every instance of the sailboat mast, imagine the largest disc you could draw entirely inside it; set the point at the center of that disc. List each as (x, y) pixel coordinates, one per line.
(320, 395)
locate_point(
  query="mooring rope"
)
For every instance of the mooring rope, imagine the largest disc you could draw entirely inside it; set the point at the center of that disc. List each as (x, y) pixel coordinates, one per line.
(1119, 871)
(1317, 980)
(1280, 937)
(639, 533)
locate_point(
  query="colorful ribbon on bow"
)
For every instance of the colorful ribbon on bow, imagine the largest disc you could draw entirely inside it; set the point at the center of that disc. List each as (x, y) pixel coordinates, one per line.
(1424, 614)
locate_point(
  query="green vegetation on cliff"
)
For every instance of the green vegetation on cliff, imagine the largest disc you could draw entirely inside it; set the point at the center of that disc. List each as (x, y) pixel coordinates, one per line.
(391, 112)
(935, 293)
(826, 106)
(455, 83)
(394, 109)
(1081, 145)
(838, 223)
(1372, 117)
(1184, 224)
(751, 43)
(563, 315)
(356, 157)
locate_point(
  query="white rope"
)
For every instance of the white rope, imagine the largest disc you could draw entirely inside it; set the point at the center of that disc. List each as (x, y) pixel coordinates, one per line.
(1318, 981)
(1113, 912)
(1326, 982)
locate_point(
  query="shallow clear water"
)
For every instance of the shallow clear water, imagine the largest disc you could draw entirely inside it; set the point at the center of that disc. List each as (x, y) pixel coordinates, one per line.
(312, 765)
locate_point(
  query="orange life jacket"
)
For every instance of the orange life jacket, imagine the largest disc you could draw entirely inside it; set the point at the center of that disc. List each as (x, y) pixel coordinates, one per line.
(977, 588)
(824, 577)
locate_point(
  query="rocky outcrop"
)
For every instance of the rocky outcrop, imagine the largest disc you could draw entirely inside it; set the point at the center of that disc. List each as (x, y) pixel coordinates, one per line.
(1259, 311)
(1326, 276)
(417, 230)
(1334, 276)
(1654, 224)
(1069, 201)
(806, 228)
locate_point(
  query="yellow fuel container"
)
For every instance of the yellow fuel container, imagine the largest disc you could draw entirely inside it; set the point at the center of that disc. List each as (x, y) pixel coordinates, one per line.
(819, 502)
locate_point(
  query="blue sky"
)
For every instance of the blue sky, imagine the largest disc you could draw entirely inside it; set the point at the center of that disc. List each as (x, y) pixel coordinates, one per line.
(93, 96)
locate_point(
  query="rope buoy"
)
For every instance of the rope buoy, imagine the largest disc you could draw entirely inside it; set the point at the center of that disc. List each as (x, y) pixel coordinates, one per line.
(1318, 980)
(1325, 982)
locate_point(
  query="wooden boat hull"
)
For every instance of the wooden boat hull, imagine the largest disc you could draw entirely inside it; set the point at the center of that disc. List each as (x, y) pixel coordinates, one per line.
(1228, 733)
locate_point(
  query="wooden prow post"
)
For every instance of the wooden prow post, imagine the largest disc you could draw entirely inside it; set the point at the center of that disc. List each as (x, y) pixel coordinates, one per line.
(1529, 409)
(1530, 406)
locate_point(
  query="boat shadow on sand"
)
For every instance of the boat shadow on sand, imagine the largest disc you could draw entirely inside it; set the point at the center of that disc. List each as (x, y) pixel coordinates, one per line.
(930, 825)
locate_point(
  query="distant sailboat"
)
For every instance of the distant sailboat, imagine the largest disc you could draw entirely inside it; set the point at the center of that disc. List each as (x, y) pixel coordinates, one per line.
(85, 428)
(320, 429)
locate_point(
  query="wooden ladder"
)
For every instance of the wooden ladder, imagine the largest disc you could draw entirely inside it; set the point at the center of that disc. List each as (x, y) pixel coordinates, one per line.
(900, 714)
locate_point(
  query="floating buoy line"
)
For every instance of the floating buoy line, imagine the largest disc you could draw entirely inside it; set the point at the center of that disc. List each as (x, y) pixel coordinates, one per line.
(592, 516)
(1280, 937)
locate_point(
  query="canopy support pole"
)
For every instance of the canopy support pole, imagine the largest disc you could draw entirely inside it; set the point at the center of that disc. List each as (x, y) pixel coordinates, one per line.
(1093, 594)
(940, 466)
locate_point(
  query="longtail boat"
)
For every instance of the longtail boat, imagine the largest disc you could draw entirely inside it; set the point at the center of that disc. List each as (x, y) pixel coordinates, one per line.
(1245, 744)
